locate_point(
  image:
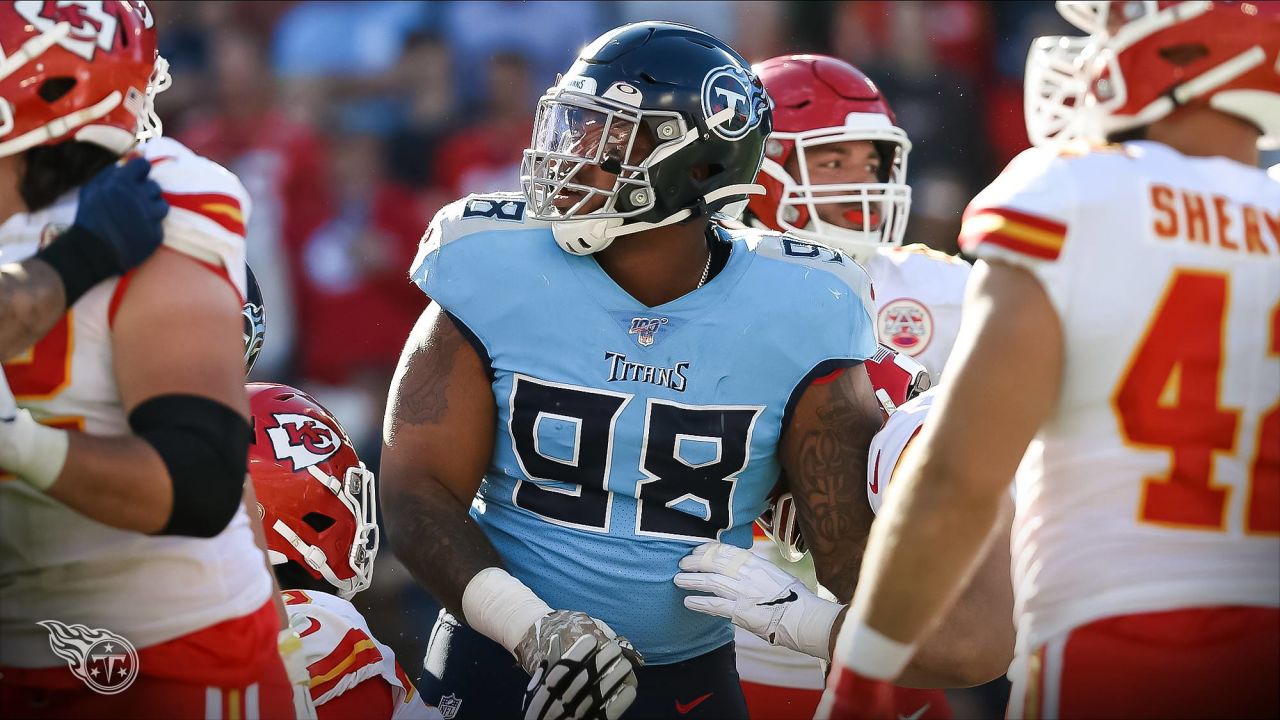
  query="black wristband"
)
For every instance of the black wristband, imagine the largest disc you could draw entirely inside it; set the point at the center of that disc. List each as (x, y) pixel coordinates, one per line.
(81, 260)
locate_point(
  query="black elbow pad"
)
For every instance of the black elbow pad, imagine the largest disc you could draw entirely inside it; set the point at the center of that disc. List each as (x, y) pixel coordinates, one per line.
(205, 446)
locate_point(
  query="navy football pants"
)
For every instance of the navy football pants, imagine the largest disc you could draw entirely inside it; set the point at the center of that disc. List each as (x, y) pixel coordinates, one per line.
(474, 676)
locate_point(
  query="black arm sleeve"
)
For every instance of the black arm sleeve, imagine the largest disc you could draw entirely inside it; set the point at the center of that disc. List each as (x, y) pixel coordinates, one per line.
(205, 447)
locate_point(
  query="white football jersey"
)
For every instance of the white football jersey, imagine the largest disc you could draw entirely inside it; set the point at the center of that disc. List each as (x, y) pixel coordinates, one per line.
(57, 564)
(918, 294)
(1155, 484)
(888, 445)
(341, 653)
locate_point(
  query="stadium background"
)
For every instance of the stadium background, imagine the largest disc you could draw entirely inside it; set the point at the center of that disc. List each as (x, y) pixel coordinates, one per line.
(350, 123)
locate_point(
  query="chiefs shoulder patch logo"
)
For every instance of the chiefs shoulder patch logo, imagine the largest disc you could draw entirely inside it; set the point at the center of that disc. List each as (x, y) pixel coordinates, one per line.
(303, 440)
(905, 325)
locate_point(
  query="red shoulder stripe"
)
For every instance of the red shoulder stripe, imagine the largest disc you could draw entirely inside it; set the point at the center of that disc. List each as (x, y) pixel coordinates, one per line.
(1038, 222)
(117, 296)
(403, 677)
(1020, 232)
(222, 209)
(355, 651)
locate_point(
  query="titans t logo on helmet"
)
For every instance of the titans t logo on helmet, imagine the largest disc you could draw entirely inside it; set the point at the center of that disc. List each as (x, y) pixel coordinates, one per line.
(729, 87)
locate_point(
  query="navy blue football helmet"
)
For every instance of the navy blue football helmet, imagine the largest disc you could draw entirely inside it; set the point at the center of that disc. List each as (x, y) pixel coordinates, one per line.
(673, 116)
(255, 320)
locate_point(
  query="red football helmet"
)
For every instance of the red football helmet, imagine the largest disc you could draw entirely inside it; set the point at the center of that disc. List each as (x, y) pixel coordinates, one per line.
(1142, 60)
(85, 71)
(820, 100)
(317, 501)
(896, 379)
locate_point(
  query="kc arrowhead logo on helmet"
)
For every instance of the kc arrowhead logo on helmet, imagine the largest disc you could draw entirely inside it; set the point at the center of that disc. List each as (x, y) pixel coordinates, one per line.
(91, 25)
(303, 440)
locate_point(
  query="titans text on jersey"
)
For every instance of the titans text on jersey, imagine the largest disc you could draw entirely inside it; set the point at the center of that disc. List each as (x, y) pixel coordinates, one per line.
(628, 434)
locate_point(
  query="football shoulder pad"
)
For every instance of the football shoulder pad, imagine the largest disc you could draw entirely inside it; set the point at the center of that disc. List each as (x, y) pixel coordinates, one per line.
(918, 271)
(919, 255)
(490, 212)
(341, 651)
(837, 272)
(1024, 214)
(888, 445)
(208, 207)
(471, 219)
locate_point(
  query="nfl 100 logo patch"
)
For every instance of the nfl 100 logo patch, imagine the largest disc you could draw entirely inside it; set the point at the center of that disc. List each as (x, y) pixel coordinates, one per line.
(646, 329)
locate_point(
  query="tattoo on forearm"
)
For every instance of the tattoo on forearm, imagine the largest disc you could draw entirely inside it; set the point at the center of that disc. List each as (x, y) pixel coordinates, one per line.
(424, 398)
(31, 301)
(433, 540)
(826, 458)
(831, 471)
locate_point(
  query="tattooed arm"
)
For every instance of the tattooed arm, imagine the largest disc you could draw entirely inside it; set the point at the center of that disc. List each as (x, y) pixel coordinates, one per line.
(824, 456)
(437, 441)
(31, 301)
(117, 227)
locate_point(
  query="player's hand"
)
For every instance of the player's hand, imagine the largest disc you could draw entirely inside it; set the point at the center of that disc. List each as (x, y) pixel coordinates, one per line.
(295, 665)
(758, 597)
(580, 669)
(122, 210)
(850, 696)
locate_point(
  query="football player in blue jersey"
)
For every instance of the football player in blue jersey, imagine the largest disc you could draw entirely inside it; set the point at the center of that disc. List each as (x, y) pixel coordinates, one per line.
(611, 374)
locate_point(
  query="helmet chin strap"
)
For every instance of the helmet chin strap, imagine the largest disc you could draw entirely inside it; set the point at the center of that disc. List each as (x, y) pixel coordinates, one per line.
(60, 126)
(317, 560)
(586, 237)
(33, 48)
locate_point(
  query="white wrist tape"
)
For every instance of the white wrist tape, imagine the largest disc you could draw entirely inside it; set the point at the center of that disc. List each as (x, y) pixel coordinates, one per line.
(501, 607)
(871, 654)
(813, 634)
(8, 406)
(33, 452)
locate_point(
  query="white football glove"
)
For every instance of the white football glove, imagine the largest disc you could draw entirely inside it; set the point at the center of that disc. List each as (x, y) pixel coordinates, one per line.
(580, 669)
(33, 452)
(295, 665)
(8, 406)
(758, 597)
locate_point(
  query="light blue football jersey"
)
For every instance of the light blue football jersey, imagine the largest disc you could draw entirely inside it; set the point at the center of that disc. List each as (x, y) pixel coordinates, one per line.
(626, 434)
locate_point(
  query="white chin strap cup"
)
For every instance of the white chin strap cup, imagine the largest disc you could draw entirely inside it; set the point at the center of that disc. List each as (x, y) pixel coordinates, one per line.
(585, 237)
(316, 559)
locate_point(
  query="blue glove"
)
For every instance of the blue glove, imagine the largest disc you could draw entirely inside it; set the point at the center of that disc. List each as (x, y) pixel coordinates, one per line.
(118, 225)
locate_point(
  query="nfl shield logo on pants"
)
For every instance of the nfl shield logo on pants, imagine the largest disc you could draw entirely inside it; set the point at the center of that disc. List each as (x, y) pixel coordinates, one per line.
(449, 706)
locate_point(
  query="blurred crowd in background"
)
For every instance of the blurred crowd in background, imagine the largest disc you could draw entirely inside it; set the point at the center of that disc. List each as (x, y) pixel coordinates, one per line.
(351, 123)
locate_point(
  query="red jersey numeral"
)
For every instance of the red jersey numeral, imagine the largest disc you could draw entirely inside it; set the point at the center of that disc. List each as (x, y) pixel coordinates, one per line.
(1262, 514)
(1169, 398)
(44, 370)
